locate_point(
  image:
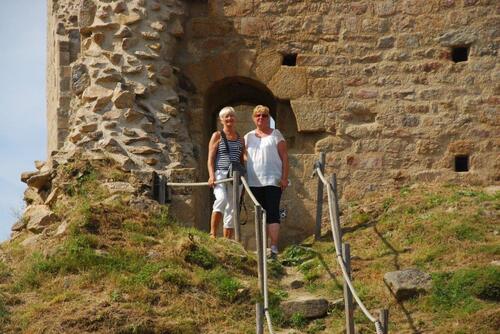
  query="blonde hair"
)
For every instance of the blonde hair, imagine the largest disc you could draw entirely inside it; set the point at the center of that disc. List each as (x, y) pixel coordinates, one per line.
(226, 111)
(260, 109)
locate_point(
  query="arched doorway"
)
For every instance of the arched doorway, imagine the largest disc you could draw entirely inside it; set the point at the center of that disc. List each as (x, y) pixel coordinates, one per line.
(243, 94)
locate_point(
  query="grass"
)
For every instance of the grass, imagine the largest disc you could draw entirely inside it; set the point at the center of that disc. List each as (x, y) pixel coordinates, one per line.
(150, 273)
(128, 270)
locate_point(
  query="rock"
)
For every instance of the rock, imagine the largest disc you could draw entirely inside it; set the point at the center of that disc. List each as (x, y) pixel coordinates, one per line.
(296, 284)
(52, 196)
(87, 12)
(123, 32)
(31, 196)
(119, 187)
(128, 19)
(62, 228)
(132, 115)
(407, 283)
(457, 38)
(89, 127)
(38, 217)
(151, 35)
(80, 78)
(39, 181)
(97, 92)
(108, 75)
(308, 306)
(158, 26)
(144, 150)
(123, 99)
(26, 175)
(146, 55)
(119, 7)
(19, 225)
(39, 164)
(31, 241)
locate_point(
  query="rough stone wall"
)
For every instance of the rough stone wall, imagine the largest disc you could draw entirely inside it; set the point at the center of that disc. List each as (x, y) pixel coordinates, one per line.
(373, 85)
(112, 88)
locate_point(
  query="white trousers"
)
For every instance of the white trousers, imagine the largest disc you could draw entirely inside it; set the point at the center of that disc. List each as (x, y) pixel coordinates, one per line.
(224, 198)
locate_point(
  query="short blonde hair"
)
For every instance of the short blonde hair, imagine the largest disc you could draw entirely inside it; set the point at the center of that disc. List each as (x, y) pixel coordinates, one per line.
(260, 109)
(226, 111)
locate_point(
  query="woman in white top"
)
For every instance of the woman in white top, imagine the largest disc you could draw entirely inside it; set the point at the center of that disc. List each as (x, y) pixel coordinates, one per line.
(267, 169)
(218, 163)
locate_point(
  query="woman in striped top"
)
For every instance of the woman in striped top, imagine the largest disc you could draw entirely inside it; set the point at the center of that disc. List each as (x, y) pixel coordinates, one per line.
(218, 166)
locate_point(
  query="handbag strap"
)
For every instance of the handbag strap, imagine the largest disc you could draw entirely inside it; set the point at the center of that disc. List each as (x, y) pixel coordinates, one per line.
(223, 135)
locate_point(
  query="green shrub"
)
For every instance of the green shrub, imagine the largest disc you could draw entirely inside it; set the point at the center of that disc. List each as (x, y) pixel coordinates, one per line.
(226, 286)
(297, 320)
(175, 276)
(296, 254)
(202, 257)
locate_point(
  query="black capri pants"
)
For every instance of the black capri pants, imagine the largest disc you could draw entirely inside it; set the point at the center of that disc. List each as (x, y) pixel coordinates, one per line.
(269, 197)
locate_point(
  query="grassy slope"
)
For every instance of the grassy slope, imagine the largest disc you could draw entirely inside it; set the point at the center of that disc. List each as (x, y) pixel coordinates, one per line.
(123, 268)
(448, 231)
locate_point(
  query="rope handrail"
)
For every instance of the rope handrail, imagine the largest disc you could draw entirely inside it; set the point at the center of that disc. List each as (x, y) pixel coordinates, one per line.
(340, 260)
(264, 249)
(196, 184)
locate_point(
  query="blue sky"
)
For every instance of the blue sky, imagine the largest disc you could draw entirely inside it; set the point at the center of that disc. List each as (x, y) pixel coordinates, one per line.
(22, 100)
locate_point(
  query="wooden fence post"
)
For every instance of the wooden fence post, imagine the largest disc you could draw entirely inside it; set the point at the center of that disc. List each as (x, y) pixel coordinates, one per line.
(384, 320)
(348, 303)
(162, 190)
(154, 186)
(319, 197)
(259, 308)
(337, 208)
(336, 223)
(236, 203)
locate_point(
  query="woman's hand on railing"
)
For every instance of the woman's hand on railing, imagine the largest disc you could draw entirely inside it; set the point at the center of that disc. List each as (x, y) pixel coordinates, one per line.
(211, 181)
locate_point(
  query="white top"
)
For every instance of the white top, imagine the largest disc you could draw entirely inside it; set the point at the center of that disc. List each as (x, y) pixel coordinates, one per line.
(264, 166)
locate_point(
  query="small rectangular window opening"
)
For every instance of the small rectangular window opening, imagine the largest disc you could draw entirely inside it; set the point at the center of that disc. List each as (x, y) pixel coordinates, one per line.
(289, 59)
(460, 53)
(461, 163)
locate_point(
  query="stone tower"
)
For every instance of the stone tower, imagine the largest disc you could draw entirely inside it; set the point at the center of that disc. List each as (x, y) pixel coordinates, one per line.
(394, 91)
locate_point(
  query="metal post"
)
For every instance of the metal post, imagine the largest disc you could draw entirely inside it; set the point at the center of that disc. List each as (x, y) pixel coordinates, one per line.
(348, 304)
(319, 198)
(162, 190)
(338, 231)
(236, 203)
(384, 320)
(259, 308)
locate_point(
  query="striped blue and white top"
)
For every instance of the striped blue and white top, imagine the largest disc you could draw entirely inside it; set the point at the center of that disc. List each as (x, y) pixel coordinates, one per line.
(222, 158)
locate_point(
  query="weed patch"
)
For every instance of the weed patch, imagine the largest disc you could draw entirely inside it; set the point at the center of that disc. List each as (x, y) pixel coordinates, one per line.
(459, 290)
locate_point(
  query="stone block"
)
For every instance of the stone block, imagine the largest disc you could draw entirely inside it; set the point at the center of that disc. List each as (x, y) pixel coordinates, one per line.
(458, 37)
(309, 307)
(289, 82)
(331, 144)
(314, 60)
(238, 8)
(310, 115)
(386, 8)
(408, 283)
(267, 64)
(331, 87)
